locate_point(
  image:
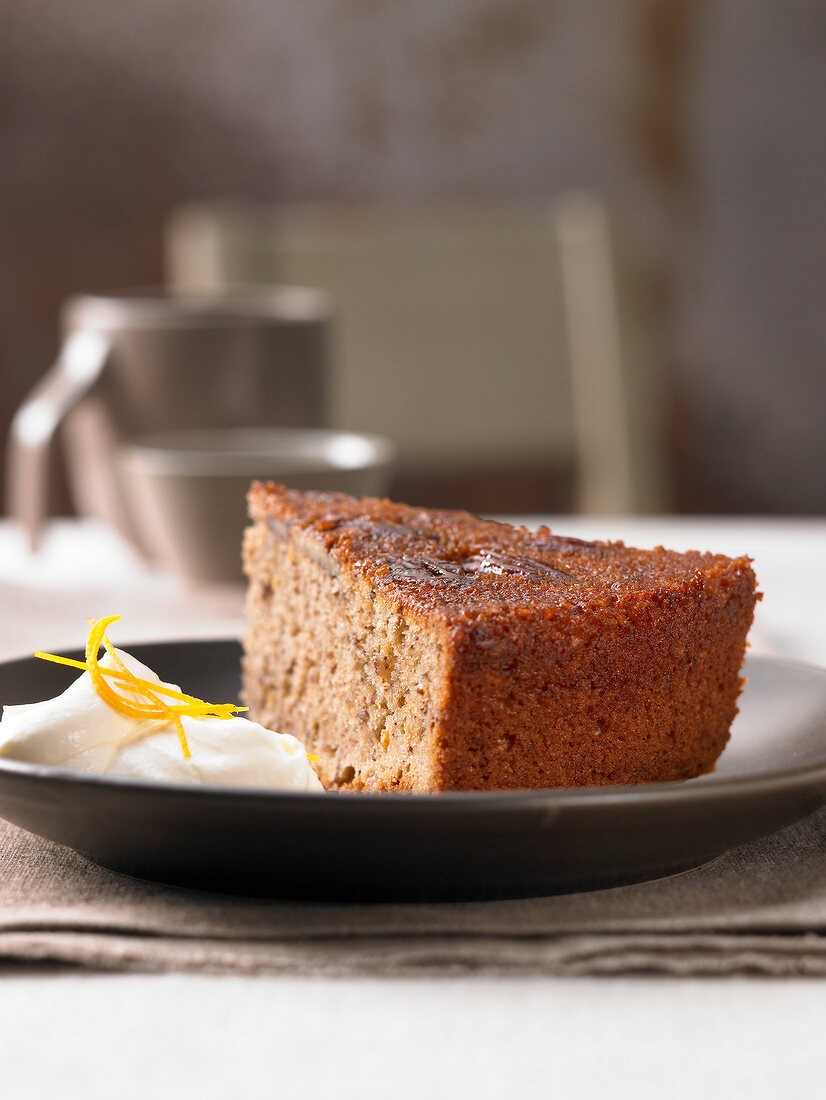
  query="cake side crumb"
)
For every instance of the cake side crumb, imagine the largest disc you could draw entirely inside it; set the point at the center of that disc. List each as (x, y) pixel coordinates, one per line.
(353, 677)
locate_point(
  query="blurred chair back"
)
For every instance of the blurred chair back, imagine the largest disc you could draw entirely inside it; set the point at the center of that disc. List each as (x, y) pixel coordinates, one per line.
(474, 334)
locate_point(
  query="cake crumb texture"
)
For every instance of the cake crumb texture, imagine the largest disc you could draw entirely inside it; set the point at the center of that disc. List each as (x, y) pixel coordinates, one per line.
(422, 650)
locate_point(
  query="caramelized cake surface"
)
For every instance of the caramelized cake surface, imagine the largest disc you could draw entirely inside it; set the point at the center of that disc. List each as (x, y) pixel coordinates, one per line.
(414, 649)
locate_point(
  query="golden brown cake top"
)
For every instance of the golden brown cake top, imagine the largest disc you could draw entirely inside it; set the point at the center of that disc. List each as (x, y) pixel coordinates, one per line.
(452, 562)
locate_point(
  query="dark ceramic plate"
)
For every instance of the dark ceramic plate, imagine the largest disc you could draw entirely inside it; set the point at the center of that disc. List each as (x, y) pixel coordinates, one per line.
(409, 847)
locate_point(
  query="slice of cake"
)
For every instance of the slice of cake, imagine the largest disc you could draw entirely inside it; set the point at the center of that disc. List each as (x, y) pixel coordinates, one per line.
(416, 650)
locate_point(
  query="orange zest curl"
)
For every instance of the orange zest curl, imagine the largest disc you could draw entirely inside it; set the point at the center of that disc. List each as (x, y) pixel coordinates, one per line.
(151, 704)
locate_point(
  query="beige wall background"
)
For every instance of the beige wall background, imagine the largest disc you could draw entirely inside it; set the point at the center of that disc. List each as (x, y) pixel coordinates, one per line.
(701, 123)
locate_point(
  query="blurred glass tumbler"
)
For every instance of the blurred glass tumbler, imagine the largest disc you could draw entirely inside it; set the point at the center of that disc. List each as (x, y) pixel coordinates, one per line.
(145, 362)
(189, 488)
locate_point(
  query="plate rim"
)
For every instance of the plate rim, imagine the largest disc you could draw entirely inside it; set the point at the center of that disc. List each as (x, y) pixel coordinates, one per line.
(569, 798)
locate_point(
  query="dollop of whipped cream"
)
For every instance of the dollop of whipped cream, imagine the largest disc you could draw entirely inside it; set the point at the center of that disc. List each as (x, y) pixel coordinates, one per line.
(79, 730)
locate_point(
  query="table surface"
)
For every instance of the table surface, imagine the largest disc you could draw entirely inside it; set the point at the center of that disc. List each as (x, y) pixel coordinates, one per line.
(94, 1035)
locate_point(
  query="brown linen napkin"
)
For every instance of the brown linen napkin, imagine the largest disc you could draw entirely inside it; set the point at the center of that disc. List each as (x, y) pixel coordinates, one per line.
(760, 909)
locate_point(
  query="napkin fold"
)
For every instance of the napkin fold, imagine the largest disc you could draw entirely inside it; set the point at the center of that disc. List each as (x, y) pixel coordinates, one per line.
(760, 909)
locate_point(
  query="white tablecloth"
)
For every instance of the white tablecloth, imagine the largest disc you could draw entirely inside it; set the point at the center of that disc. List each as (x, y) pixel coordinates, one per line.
(125, 1036)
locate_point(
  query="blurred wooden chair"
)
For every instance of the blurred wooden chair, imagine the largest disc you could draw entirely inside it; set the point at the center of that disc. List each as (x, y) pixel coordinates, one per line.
(475, 334)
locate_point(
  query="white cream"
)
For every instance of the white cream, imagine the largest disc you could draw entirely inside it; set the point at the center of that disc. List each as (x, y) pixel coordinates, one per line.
(79, 730)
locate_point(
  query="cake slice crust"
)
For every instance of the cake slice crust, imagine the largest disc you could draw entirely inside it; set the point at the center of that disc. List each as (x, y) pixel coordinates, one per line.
(426, 650)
